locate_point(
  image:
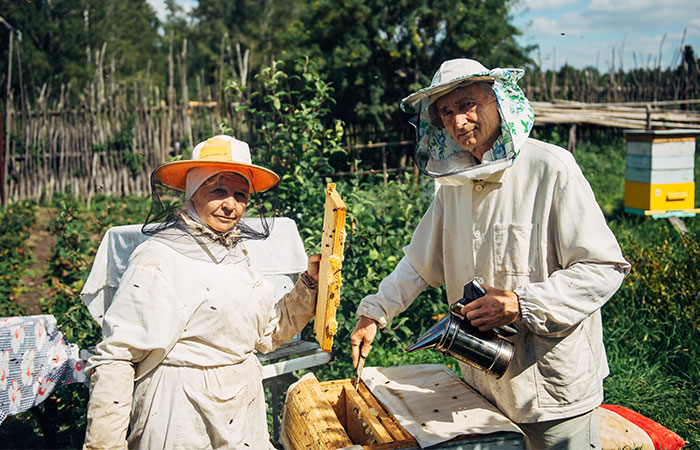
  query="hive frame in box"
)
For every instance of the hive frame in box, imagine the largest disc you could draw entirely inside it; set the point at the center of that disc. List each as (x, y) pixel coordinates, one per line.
(329, 278)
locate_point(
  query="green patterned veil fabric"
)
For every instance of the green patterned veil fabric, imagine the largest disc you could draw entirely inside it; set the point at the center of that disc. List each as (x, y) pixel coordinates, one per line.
(436, 153)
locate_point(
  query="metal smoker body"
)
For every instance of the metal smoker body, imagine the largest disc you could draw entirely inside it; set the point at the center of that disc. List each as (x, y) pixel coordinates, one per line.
(454, 336)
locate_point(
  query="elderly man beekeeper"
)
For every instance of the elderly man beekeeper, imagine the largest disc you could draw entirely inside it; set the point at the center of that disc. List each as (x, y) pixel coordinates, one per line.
(189, 314)
(517, 215)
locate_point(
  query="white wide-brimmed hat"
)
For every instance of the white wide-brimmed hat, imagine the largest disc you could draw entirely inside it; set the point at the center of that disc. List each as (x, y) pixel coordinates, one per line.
(448, 77)
(221, 152)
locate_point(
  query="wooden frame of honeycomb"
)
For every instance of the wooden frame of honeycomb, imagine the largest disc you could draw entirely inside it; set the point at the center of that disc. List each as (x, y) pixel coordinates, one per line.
(329, 278)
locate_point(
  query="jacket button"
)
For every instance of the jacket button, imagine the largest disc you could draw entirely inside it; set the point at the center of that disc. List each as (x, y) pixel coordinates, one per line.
(477, 234)
(479, 187)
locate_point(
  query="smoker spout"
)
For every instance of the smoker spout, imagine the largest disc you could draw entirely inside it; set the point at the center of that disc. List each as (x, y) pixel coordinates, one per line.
(432, 337)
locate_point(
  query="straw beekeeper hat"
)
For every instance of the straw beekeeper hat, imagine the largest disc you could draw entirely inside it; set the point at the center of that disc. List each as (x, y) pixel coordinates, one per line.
(219, 152)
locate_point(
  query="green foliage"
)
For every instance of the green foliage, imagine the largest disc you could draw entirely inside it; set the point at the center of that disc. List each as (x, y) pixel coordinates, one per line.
(78, 232)
(254, 25)
(652, 324)
(376, 52)
(289, 111)
(15, 223)
(59, 40)
(653, 327)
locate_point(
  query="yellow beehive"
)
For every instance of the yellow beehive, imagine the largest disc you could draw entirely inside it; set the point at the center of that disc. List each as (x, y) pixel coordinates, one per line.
(659, 175)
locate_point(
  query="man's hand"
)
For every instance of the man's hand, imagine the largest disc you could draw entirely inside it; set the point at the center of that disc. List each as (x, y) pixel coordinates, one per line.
(313, 265)
(493, 310)
(362, 337)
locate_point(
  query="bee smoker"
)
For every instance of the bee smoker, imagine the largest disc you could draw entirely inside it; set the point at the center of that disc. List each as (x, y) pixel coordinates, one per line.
(454, 336)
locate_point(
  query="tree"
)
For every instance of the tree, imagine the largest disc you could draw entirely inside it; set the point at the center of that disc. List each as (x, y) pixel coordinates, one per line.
(59, 40)
(376, 52)
(223, 31)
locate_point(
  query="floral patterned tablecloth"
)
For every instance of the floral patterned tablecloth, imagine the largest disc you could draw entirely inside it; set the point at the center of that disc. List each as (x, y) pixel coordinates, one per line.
(34, 361)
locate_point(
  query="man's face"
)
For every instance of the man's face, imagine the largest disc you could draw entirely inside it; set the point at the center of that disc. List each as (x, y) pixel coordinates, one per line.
(470, 116)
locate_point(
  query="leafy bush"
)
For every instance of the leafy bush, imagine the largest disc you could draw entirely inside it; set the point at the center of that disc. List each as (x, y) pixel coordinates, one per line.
(289, 112)
(15, 223)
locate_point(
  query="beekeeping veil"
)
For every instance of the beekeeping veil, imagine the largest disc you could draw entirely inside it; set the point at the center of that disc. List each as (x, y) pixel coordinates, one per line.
(437, 154)
(174, 219)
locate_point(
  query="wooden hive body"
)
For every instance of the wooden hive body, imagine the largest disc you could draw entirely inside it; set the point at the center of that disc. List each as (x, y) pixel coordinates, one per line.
(333, 415)
(659, 172)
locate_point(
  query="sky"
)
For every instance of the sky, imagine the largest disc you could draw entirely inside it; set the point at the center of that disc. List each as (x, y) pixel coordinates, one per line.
(585, 33)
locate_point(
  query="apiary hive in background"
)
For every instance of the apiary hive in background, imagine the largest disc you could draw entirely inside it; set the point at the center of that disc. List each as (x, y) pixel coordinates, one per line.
(659, 173)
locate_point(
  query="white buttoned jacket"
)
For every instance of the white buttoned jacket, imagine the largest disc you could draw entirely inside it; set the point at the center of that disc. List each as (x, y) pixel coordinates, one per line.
(534, 228)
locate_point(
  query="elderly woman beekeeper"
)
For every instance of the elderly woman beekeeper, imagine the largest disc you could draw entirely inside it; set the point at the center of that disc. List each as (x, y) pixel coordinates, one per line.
(189, 314)
(517, 215)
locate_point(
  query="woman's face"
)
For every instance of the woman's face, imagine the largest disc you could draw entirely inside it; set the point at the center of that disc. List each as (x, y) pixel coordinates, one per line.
(221, 200)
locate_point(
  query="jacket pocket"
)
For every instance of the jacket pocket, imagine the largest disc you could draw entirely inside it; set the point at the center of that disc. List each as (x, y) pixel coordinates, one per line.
(517, 249)
(566, 369)
(221, 396)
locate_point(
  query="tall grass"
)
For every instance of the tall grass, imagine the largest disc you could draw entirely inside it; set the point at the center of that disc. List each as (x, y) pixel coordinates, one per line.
(652, 324)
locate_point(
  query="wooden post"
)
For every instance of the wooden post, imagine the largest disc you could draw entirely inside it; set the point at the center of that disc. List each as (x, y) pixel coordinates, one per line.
(572, 137)
(648, 111)
(185, 96)
(384, 172)
(8, 118)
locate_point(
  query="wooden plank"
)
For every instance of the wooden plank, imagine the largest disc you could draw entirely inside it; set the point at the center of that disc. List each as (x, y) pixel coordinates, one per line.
(336, 397)
(309, 420)
(397, 432)
(303, 362)
(678, 225)
(329, 279)
(363, 426)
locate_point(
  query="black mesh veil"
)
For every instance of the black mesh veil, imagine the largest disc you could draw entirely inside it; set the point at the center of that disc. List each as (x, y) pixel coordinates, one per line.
(167, 203)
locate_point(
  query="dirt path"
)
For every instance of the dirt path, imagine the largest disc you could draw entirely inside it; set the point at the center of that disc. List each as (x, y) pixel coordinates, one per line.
(40, 243)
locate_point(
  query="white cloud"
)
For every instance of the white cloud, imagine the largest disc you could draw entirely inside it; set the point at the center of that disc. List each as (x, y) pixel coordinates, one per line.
(625, 5)
(159, 7)
(540, 5)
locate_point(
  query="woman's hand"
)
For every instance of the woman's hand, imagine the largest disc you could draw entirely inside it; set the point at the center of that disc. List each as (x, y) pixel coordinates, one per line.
(313, 266)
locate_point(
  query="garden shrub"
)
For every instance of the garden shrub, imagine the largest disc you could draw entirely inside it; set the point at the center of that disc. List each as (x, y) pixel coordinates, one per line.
(16, 221)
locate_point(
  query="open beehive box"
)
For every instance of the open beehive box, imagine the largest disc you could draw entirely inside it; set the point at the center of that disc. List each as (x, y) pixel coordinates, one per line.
(333, 415)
